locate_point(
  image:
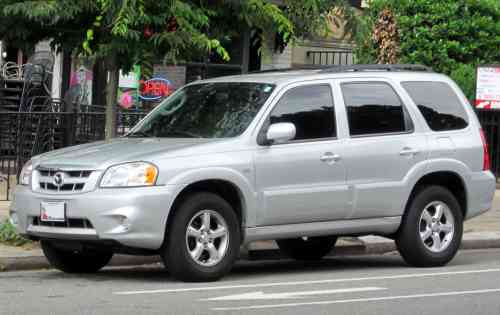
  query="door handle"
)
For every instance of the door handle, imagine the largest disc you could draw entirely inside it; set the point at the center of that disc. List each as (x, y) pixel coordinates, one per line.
(406, 151)
(329, 157)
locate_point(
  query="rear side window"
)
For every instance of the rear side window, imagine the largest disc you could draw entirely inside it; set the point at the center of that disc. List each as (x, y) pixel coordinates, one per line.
(310, 109)
(374, 108)
(439, 105)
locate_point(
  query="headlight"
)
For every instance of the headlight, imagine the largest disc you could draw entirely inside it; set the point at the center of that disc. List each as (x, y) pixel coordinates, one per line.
(134, 174)
(25, 176)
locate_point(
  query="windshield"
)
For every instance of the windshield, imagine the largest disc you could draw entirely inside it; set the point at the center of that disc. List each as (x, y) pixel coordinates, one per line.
(207, 110)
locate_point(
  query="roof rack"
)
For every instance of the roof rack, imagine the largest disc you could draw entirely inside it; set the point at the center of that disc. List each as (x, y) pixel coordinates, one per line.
(296, 68)
(377, 67)
(350, 68)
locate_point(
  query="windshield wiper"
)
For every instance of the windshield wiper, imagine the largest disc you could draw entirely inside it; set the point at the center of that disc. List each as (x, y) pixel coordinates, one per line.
(138, 134)
(182, 133)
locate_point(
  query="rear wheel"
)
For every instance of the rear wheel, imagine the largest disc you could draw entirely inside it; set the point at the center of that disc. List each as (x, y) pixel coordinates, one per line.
(310, 248)
(83, 261)
(203, 239)
(432, 228)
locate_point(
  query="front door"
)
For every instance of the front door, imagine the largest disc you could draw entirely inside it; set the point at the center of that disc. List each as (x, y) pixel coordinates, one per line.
(303, 180)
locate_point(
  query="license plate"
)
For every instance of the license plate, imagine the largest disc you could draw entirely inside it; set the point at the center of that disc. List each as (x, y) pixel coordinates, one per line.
(53, 211)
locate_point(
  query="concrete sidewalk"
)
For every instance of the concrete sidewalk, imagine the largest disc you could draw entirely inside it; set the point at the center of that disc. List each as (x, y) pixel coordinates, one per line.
(480, 232)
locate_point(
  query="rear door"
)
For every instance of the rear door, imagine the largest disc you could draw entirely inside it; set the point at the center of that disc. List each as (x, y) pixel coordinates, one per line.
(382, 147)
(447, 119)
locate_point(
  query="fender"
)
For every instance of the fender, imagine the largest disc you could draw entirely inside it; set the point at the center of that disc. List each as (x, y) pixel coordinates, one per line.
(436, 165)
(241, 182)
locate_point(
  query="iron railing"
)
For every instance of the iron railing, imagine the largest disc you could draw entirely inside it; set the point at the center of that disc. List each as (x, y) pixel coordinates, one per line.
(330, 57)
(25, 134)
(490, 122)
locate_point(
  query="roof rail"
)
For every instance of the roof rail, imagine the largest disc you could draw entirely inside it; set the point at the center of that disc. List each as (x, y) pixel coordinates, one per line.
(377, 67)
(296, 68)
(350, 68)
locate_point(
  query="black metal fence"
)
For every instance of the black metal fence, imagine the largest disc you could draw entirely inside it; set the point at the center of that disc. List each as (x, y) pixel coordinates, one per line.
(330, 57)
(25, 134)
(490, 121)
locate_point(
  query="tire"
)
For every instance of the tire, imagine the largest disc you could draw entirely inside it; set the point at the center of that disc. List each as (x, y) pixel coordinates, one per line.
(180, 252)
(85, 261)
(313, 248)
(421, 249)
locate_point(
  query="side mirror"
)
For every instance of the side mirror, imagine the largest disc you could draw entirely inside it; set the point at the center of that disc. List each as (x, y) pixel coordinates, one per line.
(280, 133)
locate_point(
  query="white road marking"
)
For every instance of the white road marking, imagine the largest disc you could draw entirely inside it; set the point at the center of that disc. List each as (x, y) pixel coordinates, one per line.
(374, 299)
(325, 281)
(287, 295)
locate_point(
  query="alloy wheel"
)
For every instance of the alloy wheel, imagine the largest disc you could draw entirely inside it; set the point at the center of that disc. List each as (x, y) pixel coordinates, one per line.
(436, 226)
(207, 238)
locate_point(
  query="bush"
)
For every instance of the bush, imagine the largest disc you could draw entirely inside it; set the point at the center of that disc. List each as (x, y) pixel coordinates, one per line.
(9, 236)
(451, 36)
(465, 77)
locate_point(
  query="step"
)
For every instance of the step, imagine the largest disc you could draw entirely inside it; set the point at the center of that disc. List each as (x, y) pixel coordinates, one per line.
(14, 81)
(11, 90)
(10, 98)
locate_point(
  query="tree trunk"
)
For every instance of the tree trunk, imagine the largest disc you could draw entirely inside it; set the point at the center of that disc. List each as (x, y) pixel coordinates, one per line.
(100, 79)
(111, 96)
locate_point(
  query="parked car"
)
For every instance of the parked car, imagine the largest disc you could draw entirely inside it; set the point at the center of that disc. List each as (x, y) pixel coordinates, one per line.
(301, 157)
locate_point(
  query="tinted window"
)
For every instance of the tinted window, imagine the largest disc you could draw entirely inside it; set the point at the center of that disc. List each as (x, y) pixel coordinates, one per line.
(438, 104)
(374, 108)
(310, 109)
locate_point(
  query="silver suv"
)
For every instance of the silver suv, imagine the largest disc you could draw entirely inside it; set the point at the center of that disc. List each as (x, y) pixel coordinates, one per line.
(301, 157)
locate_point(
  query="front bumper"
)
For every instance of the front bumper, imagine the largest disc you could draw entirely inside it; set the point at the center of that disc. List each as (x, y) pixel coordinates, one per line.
(133, 217)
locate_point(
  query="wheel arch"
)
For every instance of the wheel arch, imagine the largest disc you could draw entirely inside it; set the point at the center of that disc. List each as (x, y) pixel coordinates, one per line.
(448, 179)
(228, 189)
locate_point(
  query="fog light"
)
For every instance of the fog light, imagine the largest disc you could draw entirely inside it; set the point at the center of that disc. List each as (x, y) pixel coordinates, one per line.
(13, 218)
(125, 223)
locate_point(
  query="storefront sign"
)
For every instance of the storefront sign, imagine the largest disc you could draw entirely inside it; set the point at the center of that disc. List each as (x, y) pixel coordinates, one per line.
(128, 87)
(80, 83)
(488, 87)
(155, 89)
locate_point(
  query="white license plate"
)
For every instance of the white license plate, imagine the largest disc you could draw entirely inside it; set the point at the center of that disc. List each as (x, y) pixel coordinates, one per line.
(53, 211)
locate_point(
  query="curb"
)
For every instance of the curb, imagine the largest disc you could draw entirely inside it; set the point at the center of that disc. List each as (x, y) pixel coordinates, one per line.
(39, 262)
(373, 245)
(268, 250)
(342, 250)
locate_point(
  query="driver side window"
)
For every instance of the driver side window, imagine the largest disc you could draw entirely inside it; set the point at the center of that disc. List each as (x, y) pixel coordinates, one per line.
(310, 109)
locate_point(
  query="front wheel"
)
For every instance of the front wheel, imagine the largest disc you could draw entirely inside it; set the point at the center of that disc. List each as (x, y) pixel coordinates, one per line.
(432, 228)
(203, 239)
(84, 261)
(311, 248)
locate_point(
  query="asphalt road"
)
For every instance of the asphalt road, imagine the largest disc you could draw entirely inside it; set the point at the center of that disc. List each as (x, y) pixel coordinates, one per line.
(470, 284)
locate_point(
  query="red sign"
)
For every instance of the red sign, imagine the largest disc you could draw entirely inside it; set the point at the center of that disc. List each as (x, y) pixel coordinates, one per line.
(155, 89)
(488, 87)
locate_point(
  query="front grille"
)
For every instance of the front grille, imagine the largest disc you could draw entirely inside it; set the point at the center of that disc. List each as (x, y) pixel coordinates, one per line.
(81, 223)
(73, 181)
(52, 172)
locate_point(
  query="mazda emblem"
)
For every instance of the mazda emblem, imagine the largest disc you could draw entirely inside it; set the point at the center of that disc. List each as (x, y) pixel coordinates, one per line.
(58, 179)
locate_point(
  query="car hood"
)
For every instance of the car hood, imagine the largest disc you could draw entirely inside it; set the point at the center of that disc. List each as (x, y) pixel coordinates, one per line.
(99, 155)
